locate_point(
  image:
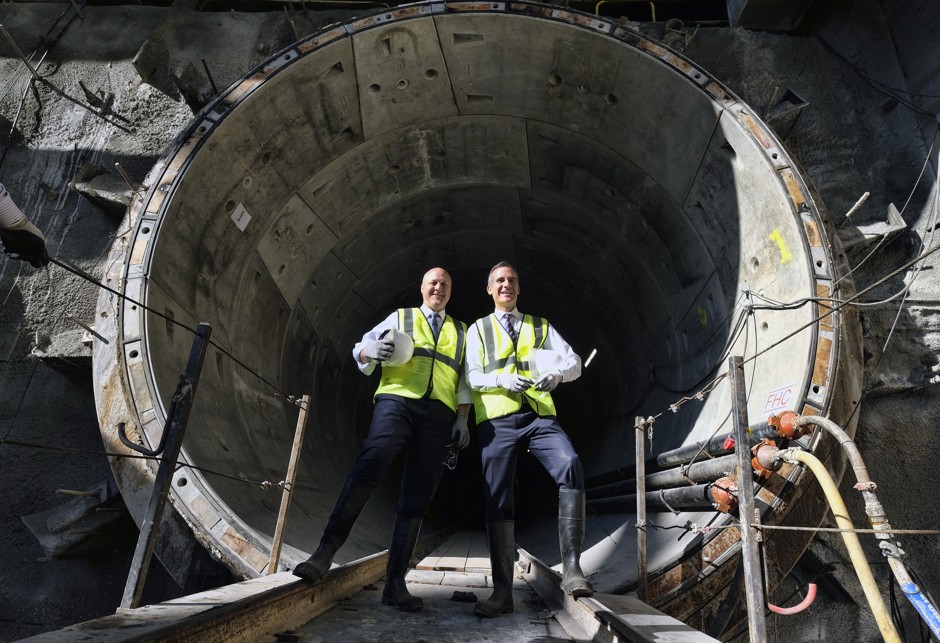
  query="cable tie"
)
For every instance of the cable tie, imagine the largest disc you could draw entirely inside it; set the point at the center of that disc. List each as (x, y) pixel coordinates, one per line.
(662, 497)
(700, 529)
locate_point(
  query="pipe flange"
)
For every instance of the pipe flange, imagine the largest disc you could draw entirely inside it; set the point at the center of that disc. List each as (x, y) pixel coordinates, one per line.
(783, 424)
(765, 461)
(724, 493)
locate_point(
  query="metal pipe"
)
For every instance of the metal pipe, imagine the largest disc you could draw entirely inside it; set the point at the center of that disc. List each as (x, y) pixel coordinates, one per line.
(878, 520)
(750, 545)
(692, 497)
(643, 578)
(857, 556)
(705, 471)
(715, 446)
(19, 53)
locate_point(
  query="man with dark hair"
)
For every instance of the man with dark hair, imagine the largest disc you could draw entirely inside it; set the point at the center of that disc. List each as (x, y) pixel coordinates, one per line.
(421, 405)
(20, 238)
(514, 410)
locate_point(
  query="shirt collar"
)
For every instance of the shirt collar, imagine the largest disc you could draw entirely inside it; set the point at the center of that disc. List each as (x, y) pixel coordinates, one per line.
(428, 312)
(514, 312)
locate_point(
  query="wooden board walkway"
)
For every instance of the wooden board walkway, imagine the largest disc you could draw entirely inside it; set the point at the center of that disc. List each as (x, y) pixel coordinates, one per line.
(464, 551)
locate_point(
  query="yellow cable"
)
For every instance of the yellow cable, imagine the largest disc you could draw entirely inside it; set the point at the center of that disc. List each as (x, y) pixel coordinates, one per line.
(839, 511)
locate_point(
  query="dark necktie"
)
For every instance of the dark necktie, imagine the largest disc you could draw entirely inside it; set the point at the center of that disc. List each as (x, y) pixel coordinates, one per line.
(436, 324)
(507, 323)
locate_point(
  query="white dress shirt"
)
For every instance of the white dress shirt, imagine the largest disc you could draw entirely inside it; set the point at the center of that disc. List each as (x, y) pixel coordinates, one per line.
(390, 322)
(479, 381)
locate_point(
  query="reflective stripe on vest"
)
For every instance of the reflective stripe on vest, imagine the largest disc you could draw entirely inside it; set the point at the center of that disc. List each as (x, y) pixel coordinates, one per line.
(434, 367)
(500, 357)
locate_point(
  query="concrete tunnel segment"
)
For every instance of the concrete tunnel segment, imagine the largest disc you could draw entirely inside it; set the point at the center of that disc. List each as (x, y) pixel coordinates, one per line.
(640, 199)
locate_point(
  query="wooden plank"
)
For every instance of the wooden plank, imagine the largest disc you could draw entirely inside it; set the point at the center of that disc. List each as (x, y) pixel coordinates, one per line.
(432, 560)
(456, 558)
(478, 556)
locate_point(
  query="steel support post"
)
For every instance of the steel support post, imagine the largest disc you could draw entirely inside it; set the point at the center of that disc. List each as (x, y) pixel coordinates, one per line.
(643, 579)
(750, 552)
(175, 429)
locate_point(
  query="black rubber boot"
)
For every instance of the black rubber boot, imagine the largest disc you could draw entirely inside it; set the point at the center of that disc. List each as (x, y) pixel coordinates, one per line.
(502, 554)
(404, 537)
(570, 538)
(352, 498)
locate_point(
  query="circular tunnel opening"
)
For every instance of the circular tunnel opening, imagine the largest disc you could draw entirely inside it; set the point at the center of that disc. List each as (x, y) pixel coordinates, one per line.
(649, 212)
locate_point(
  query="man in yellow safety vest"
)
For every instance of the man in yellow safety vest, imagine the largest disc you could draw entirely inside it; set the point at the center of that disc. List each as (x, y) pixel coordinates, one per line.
(421, 405)
(513, 409)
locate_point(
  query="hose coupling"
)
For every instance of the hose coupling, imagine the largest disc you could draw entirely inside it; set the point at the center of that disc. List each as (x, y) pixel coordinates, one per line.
(724, 493)
(785, 426)
(891, 549)
(765, 461)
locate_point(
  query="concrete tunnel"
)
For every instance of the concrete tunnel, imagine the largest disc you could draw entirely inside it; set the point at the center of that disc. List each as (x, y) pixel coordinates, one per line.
(646, 207)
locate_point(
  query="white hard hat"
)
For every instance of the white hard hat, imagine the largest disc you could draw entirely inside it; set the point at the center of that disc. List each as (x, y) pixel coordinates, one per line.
(404, 348)
(543, 361)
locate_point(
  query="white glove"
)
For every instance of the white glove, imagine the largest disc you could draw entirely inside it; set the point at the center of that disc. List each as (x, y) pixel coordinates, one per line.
(379, 350)
(461, 434)
(513, 382)
(548, 381)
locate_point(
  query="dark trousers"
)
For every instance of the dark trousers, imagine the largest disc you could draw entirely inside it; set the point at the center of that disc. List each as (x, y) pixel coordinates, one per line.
(501, 440)
(420, 427)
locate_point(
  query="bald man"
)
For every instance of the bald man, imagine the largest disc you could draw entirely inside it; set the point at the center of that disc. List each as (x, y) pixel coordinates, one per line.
(420, 406)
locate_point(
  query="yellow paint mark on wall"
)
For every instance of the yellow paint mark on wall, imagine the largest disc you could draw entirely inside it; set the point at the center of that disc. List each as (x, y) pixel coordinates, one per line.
(702, 315)
(785, 254)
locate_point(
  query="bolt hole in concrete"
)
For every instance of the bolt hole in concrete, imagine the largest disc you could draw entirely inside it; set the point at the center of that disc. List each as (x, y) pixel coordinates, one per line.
(625, 223)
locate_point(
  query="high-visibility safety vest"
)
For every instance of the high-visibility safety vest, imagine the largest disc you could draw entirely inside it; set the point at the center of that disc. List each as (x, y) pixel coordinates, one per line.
(500, 356)
(435, 365)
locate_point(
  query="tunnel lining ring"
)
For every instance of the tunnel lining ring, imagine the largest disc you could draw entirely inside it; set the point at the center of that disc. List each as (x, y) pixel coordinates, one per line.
(241, 547)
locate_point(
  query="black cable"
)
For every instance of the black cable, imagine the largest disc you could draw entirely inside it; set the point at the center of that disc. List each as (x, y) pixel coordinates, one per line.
(740, 325)
(110, 454)
(718, 328)
(923, 629)
(877, 85)
(837, 307)
(81, 273)
(896, 610)
(20, 404)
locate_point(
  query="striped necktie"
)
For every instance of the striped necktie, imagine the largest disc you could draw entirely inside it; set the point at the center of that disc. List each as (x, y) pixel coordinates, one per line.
(510, 328)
